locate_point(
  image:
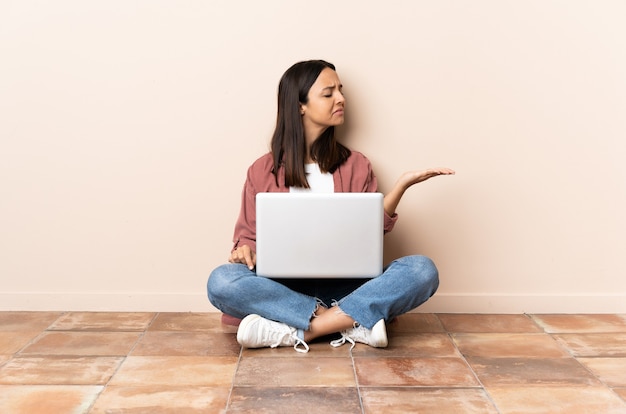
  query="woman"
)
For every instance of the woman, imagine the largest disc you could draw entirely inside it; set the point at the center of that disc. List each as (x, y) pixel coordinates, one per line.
(305, 156)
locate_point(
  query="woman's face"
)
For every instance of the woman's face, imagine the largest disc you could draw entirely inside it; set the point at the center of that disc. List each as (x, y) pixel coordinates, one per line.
(325, 107)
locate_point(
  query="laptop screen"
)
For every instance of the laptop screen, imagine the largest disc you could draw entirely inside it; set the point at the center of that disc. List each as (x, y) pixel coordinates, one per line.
(321, 235)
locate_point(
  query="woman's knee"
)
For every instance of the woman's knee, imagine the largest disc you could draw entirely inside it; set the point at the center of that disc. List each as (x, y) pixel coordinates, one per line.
(424, 271)
(219, 284)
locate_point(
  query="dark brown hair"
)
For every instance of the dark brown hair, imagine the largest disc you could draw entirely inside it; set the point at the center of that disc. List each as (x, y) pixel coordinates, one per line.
(288, 143)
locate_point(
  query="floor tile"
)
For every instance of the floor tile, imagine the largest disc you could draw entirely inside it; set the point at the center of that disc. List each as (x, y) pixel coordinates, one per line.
(187, 343)
(430, 372)
(514, 345)
(590, 345)
(59, 370)
(621, 392)
(295, 371)
(47, 399)
(188, 363)
(581, 323)
(289, 400)
(27, 321)
(318, 349)
(415, 323)
(83, 343)
(161, 400)
(556, 400)
(426, 400)
(176, 371)
(103, 321)
(13, 341)
(610, 370)
(416, 345)
(487, 323)
(531, 371)
(188, 321)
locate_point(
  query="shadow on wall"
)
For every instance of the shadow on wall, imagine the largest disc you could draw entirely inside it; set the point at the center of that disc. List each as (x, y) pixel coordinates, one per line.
(398, 244)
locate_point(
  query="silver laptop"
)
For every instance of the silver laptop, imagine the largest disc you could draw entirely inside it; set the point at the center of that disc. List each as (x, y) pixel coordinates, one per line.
(322, 235)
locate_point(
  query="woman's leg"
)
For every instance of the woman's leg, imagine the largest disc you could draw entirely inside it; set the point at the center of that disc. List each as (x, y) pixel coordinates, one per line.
(236, 290)
(404, 285)
(326, 322)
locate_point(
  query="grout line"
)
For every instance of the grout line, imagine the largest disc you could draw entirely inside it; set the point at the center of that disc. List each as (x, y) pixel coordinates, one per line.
(356, 382)
(532, 318)
(154, 318)
(123, 359)
(232, 384)
(480, 383)
(37, 337)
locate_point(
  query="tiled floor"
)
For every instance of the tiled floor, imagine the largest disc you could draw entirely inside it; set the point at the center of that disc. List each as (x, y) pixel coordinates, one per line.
(190, 363)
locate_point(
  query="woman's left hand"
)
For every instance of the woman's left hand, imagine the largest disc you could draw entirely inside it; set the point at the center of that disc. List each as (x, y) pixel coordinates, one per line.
(413, 177)
(405, 181)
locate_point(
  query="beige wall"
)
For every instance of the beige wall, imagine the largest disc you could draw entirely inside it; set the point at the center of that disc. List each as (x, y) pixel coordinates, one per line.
(126, 129)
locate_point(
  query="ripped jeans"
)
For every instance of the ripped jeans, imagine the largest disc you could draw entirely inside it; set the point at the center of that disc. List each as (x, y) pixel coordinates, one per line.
(405, 284)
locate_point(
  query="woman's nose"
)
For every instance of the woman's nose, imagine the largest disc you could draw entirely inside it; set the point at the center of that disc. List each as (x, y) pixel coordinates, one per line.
(340, 98)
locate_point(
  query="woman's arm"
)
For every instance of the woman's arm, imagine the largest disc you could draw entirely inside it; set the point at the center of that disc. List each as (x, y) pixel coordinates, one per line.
(406, 180)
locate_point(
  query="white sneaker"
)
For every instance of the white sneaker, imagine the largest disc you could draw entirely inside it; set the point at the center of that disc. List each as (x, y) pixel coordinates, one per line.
(257, 332)
(376, 337)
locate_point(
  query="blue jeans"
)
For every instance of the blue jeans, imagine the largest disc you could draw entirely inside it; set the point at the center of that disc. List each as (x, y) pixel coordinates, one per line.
(405, 284)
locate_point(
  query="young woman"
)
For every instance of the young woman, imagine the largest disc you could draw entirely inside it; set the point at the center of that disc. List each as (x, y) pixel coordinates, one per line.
(305, 156)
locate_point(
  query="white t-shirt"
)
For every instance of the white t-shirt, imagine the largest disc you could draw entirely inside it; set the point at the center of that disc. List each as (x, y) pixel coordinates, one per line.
(318, 182)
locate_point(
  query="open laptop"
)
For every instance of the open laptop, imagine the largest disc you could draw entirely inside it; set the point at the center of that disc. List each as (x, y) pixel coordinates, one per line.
(321, 235)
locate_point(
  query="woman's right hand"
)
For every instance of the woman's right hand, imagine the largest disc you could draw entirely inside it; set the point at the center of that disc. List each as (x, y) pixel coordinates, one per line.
(243, 255)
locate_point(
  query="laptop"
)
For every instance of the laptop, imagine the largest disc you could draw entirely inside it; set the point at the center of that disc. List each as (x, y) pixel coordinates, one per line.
(319, 235)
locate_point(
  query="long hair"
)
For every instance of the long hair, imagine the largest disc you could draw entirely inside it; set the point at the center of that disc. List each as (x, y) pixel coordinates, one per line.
(288, 143)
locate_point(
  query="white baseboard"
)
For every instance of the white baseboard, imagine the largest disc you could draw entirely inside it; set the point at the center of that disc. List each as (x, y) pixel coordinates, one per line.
(106, 302)
(517, 304)
(192, 302)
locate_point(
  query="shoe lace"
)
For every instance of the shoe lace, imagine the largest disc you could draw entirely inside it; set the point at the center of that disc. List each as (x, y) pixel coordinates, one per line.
(284, 335)
(356, 334)
(344, 338)
(300, 342)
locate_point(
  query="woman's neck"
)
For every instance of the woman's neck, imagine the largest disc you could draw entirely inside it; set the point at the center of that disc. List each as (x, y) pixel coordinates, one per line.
(307, 157)
(310, 137)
